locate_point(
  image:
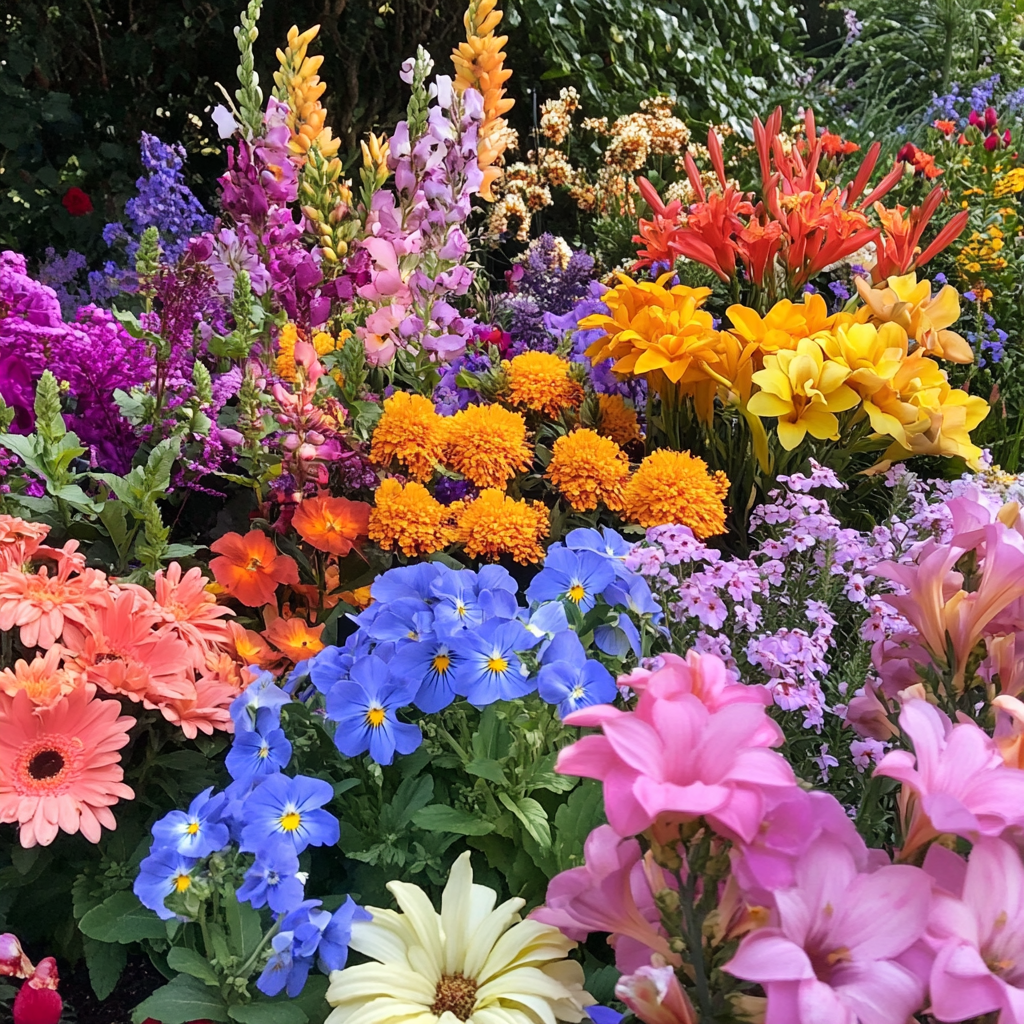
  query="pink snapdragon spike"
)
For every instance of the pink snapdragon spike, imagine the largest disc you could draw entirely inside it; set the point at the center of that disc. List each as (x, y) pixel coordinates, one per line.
(957, 782)
(609, 893)
(655, 996)
(673, 760)
(979, 964)
(840, 946)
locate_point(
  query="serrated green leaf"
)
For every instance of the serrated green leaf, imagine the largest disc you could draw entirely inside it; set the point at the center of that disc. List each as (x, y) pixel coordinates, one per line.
(122, 918)
(533, 817)
(575, 820)
(182, 1000)
(439, 818)
(188, 961)
(105, 961)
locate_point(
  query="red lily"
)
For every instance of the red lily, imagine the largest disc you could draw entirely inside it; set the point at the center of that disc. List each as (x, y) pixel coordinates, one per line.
(897, 246)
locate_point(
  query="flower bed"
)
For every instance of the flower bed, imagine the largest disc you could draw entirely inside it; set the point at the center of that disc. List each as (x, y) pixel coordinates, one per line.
(645, 634)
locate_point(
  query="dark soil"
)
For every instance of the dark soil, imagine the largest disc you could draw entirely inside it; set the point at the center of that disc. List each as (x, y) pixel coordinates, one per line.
(139, 980)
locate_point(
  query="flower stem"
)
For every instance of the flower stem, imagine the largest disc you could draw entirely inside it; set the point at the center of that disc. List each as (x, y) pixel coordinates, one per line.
(271, 932)
(693, 922)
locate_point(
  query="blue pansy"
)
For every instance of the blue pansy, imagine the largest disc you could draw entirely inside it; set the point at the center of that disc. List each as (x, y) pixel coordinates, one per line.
(402, 620)
(290, 808)
(334, 663)
(273, 878)
(364, 707)
(604, 542)
(196, 832)
(407, 581)
(260, 693)
(619, 638)
(576, 576)
(333, 949)
(161, 873)
(571, 680)
(293, 949)
(264, 751)
(432, 666)
(491, 669)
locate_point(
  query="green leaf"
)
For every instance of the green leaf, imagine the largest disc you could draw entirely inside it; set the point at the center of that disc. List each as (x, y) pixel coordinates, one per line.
(161, 461)
(188, 961)
(182, 1000)
(533, 817)
(122, 918)
(575, 820)
(485, 768)
(105, 961)
(245, 926)
(439, 818)
(268, 1013)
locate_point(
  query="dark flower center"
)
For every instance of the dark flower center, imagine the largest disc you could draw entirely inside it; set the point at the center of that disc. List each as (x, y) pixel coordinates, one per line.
(46, 764)
(455, 993)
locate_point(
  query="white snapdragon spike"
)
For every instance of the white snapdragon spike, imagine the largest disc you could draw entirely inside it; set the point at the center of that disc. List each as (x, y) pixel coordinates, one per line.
(473, 962)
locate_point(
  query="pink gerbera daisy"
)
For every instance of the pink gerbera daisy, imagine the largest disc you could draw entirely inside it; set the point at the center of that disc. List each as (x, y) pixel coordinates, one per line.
(191, 612)
(19, 540)
(43, 680)
(60, 769)
(206, 711)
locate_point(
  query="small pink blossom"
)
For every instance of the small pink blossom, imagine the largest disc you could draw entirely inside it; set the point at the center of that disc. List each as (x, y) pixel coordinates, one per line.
(655, 996)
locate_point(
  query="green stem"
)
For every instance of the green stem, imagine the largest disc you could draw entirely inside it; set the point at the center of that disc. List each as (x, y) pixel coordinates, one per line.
(693, 922)
(271, 932)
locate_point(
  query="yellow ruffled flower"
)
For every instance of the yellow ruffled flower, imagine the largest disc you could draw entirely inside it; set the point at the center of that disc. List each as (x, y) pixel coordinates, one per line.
(479, 64)
(617, 420)
(784, 324)
(650, 327)
(872, 354)
(925, 317)
(487, 445)
(944, 428)
(805, 391)
(298, 84)
(409, 518)
(676, 487)
(494, 525)
(588, 469)
(541, 382)
(410, 432)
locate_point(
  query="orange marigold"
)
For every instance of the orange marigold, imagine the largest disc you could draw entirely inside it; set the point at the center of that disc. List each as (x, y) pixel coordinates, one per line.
(495, 525)
(675, 487)
(617, 420)
(410, 432)
(541, 382)
(409, 518)
(487, 444)
(588, 469)
(331, 524)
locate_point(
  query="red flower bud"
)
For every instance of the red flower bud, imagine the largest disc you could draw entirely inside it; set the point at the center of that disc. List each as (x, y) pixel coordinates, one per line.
(76, 202)
(991, 118)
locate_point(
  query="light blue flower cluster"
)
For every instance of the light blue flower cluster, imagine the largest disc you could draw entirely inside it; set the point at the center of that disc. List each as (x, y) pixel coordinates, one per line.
(272, 816)
(434, 633)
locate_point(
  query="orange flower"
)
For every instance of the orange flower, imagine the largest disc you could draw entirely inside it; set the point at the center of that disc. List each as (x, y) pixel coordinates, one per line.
(487, 444)
(409, 518)
(541, 382)
(617, 420)
(675, 487)
(207, 709)
(190, 611)
(409, 431)
(358, 598)
(332, 524)
(251, 648)
(496, 525)
(43, 680)
(295, 638)
(834, 145)
(588, 469)
(19, 540)
(948, 128)
(249, 568)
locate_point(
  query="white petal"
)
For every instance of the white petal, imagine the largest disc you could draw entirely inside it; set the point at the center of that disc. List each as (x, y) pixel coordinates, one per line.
(487, 933)
(423, 919)
(386, 938)
(525, 943)
(369, 981)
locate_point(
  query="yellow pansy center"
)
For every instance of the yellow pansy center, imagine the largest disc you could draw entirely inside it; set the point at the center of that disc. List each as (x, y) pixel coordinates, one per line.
(375, 717)
(264, 751)
(577, 692)
(192, 828)
(496, 663)
(182, 882)
(290, 821)
(576, 592)
(441, 663)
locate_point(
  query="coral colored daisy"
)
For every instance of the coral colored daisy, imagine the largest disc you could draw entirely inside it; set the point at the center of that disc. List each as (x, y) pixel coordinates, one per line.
(617, 420)
(249, 568)
(542, 382)
(588, 469)
(295, 638)
(19, 540)
(675, 487)
(190, 611)
(494, 525)
(487, 444)
(332, 524)
(409, 518)
(43, 679)
(409, 432)
(60, 770)
(205, 711)
(123, 653)
(41, 606)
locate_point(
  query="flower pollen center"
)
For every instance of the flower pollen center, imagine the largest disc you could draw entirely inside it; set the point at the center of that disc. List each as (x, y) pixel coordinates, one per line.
(578, 693)
(290, 821)
(441, 663)
(182, 881)
(497, 664)
(192, 828)
(253, 565)
(375, 717)
(46, 765)
(576, 593)
(455, 993)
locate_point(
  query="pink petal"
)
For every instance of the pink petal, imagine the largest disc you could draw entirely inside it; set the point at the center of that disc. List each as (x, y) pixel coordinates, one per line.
(767, 956)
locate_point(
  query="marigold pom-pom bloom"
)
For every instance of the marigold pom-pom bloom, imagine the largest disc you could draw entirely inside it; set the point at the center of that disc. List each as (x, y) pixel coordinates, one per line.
(409, 518)
(675, 487)
(588, 469)
(487, 445)
(617, 420)
(541, 382)
(494, 525)
(409, 432)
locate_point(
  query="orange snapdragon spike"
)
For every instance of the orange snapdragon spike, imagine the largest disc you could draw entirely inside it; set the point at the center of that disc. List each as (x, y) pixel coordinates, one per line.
(332, 524)
(249, 568)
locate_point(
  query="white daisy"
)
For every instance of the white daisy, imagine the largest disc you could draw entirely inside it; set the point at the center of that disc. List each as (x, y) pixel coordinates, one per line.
(471, 963)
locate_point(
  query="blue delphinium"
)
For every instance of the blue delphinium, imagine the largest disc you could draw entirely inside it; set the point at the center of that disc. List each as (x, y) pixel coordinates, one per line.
(290, 808)
(364, 707)
(570, 679)
(196, 832)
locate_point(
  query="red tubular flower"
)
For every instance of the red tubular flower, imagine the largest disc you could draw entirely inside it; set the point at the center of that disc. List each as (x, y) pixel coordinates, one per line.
(897, 246)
